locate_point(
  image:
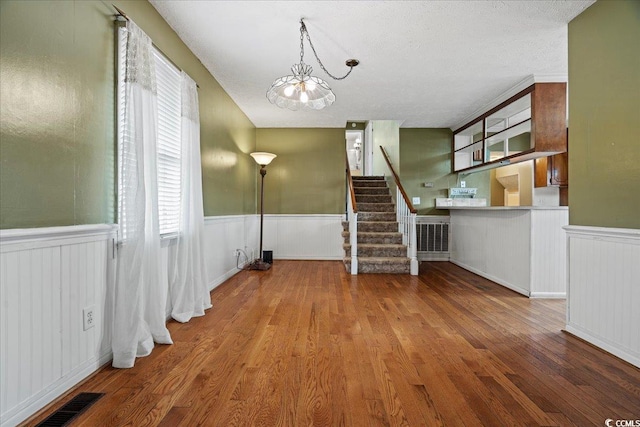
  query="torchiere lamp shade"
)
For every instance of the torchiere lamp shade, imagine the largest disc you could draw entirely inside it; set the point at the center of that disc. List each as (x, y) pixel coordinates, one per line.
(262, 158)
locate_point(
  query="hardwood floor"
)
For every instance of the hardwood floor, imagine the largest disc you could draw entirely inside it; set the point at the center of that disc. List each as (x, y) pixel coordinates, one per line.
(307, 344)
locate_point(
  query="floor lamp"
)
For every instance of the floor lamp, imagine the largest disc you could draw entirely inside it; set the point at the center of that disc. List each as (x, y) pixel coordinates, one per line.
(263, 159)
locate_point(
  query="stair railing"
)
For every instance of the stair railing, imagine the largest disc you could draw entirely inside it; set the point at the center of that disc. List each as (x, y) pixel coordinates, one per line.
(406, 217)
(352, 218)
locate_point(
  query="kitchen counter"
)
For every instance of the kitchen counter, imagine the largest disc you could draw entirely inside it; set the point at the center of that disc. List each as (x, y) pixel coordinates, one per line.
(507, 208)
(520, 247)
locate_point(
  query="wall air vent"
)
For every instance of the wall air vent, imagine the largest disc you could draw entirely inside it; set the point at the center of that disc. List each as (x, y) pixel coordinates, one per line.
(432, 238)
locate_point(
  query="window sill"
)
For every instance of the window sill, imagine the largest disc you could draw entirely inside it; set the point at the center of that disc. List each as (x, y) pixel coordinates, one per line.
(169, 239)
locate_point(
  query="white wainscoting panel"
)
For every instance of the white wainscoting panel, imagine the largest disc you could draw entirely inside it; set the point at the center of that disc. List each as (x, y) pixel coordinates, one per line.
(313, 237)
(549, 253)
(48, 276)
(604, 289)
(494, 244)
(223, 235)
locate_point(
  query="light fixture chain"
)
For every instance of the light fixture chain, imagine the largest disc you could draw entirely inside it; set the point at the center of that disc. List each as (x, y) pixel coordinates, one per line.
(303, 29)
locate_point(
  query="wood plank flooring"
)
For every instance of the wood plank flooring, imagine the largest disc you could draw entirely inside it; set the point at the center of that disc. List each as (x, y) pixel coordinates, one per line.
(307, 344)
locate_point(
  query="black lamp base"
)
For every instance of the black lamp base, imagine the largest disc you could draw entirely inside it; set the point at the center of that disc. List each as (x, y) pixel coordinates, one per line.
(259, 265)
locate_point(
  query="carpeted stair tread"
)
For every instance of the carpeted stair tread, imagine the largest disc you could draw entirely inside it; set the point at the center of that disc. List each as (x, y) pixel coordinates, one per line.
(371, 190)
(377, 216)
(373, 237)
(377, 184)
(373, 198)
(380, 248)
(377, 265)
(376, 207)
(374, 226)
(368, 250)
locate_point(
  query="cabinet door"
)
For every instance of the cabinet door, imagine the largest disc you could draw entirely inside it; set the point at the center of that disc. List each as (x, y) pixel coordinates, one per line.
(541, 172)
(559, 171)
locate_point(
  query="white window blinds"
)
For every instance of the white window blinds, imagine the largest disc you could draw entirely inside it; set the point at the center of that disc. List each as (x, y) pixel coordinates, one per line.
(169, 134)
(169, 147)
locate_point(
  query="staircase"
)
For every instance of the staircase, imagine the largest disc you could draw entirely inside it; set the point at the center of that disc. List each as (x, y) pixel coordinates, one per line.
(380, 248)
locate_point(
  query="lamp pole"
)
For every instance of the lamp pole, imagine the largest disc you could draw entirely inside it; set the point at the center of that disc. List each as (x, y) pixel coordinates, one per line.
(263, 172)
(263, 159)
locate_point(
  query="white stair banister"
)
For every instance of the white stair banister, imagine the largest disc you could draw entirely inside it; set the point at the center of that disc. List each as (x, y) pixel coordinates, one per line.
(406, 217)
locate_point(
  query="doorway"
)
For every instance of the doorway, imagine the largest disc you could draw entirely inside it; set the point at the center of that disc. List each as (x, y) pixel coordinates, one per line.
(355, 149)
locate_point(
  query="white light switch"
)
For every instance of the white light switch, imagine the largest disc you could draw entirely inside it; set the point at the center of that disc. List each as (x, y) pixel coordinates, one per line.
(463, 184)
(416, 201)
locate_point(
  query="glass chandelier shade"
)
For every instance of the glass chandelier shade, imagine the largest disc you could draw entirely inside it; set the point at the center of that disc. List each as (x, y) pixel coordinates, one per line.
(300, 90)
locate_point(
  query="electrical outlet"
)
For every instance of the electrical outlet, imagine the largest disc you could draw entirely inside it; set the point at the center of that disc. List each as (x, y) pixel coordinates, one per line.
(463, 184)
(88, 317)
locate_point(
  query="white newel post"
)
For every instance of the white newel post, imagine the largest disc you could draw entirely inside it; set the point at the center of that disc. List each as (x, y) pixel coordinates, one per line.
(353, 240)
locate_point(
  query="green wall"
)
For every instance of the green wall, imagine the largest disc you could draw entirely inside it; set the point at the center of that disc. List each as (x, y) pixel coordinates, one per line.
(308, 176)
(56, 115)
(425, 156)
(604, 115)
(57, 143)
(386, 134)
(227, 136)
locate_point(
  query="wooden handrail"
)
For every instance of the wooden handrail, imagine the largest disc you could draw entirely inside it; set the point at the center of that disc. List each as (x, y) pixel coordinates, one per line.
(353, 194)
(398, 183)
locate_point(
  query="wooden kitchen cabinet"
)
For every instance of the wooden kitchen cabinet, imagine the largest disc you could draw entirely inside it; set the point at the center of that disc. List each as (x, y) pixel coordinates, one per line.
(559, 169)
(552, 170)
(529, 125)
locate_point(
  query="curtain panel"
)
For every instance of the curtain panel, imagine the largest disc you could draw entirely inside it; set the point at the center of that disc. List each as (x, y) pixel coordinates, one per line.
(140, 297)
(187, 271)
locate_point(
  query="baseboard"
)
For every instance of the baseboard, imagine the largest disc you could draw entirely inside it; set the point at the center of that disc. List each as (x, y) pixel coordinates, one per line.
(548, 295)
(433, 256)
(603, 344)
(224, 277)
(38, 401)
(309, 258)
(492, 278)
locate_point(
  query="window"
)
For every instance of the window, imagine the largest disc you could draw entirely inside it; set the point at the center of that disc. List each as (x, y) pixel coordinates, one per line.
(168, 145)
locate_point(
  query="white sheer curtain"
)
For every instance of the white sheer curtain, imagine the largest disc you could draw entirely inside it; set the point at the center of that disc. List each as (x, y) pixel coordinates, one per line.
(187, 273)
(139, 293)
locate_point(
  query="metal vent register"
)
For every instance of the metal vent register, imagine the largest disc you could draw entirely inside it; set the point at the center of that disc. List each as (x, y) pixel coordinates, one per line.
(70, 410)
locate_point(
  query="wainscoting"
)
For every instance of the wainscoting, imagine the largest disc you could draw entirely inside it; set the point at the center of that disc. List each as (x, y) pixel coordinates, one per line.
(223, 235)
(523, 249)
(604, 289)
(300, 237)
(48, 276)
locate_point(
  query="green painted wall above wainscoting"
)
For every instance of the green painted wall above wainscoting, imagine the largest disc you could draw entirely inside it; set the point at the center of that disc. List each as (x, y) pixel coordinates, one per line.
(57, 141)
(425, 156)
(308, 176)
(604, 115)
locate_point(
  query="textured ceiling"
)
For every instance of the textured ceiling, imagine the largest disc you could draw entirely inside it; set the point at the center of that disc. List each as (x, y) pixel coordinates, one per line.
(424, 63)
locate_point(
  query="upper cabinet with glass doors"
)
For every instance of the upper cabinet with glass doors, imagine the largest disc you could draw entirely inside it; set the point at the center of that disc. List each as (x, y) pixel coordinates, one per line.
(529, 125)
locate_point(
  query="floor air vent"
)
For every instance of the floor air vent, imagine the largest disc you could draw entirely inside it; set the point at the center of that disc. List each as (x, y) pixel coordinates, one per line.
(72, 409)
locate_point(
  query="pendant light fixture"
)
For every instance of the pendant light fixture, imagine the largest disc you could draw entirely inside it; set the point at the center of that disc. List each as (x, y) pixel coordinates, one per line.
(300, 90)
